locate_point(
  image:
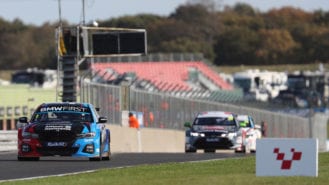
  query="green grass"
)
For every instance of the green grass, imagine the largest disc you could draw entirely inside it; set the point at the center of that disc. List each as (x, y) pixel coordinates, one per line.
(239, 171)
(23, 95)
(17, 95)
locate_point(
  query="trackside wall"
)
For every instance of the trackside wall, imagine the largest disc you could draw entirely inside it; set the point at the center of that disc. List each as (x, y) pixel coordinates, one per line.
(125, 139)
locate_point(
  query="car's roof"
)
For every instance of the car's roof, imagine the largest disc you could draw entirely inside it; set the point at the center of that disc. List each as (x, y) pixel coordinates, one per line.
(241, 117)
(65, 104)
(215, 114)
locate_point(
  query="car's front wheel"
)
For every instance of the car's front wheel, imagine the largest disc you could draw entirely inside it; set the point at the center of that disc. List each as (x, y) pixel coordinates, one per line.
(190, 150)
(107, 156)
(99, 157)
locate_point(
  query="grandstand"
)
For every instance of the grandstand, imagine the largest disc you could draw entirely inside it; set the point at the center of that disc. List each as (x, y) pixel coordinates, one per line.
(192, 79)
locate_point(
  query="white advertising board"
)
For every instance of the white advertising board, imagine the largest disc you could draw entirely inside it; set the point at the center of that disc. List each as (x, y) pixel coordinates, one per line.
(287, 157)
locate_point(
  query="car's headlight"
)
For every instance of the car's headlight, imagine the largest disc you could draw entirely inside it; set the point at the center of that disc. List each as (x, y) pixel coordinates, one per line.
(224, 135)
(86, 135)
(231, 135)
(196, 134)
(29, 135)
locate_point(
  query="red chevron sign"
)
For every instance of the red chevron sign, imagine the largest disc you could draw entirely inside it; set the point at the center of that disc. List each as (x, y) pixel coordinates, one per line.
(287, 163)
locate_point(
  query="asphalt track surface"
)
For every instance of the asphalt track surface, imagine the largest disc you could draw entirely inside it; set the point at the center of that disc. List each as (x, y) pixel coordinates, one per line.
(11, 169)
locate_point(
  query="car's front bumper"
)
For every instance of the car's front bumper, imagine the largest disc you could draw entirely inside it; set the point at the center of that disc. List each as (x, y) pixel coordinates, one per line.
(209, 143)
(79, 148)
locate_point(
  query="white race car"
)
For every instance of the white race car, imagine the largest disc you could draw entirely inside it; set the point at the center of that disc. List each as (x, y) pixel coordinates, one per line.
(248, 133)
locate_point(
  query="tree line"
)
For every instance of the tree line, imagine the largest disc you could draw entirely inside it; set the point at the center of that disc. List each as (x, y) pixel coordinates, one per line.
(234, 35)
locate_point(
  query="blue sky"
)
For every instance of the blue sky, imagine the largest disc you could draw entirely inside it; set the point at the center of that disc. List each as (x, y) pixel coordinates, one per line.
(39, 11)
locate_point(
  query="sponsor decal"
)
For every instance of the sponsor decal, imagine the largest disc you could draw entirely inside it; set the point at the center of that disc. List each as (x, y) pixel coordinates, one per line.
(57, 127)
(54, 144)
(214, 128)
(63, 108)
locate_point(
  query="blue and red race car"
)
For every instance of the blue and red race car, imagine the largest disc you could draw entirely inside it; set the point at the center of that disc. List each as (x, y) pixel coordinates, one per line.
(64, 129)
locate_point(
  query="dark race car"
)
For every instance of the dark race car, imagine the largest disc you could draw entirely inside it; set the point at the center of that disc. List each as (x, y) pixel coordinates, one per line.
(210, 131)
(64, 129)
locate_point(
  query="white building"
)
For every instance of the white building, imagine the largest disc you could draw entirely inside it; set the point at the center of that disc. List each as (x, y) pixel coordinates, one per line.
(261, 85)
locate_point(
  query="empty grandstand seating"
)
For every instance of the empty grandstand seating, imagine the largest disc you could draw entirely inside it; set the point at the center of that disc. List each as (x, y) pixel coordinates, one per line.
(165, 76)
(183, 77)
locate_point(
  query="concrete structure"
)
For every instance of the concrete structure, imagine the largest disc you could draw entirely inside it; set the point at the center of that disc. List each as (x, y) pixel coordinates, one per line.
(125, 139)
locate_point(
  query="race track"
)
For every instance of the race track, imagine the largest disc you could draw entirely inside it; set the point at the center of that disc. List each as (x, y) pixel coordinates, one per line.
(11, 169)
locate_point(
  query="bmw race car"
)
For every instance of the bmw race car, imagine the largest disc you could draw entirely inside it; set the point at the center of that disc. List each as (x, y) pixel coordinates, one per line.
(247, 134)
(210, 131)
(64, 129)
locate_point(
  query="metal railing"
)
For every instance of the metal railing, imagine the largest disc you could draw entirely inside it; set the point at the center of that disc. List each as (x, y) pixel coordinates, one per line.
(165, 111)
(154, 57)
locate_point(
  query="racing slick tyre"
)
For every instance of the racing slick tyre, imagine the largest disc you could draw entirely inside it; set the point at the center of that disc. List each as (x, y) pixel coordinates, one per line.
(209, 150)
(99, 157)
(107, 157)
(190, 151)
(247, 149)
(94, 159)
(238, 151)
(242, 150)
(28, 158)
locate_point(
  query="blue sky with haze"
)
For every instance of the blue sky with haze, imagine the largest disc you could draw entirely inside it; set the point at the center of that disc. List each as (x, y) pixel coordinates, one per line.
(38, 12)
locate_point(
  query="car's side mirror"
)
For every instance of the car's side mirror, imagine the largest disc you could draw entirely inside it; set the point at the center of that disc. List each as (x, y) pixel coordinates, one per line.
(22, 122)
(22, 119)
(102, 120)
(187, 124)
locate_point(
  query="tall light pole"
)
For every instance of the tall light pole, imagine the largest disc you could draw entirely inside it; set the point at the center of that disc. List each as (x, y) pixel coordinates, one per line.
(60, 13)
(83, 12)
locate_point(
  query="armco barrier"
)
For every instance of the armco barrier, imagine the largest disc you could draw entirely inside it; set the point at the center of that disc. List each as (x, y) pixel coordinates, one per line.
(123, 139)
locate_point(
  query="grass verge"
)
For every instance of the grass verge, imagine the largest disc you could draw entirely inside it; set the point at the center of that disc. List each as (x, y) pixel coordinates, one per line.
(239, 171)
(19, 95)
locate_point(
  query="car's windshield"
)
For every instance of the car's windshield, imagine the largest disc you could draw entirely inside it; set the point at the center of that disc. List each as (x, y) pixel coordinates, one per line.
(61, 116)
(214, 121)
(244, 123)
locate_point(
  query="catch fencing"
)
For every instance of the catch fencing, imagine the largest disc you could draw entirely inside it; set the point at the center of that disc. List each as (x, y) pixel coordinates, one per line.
(170, 112)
